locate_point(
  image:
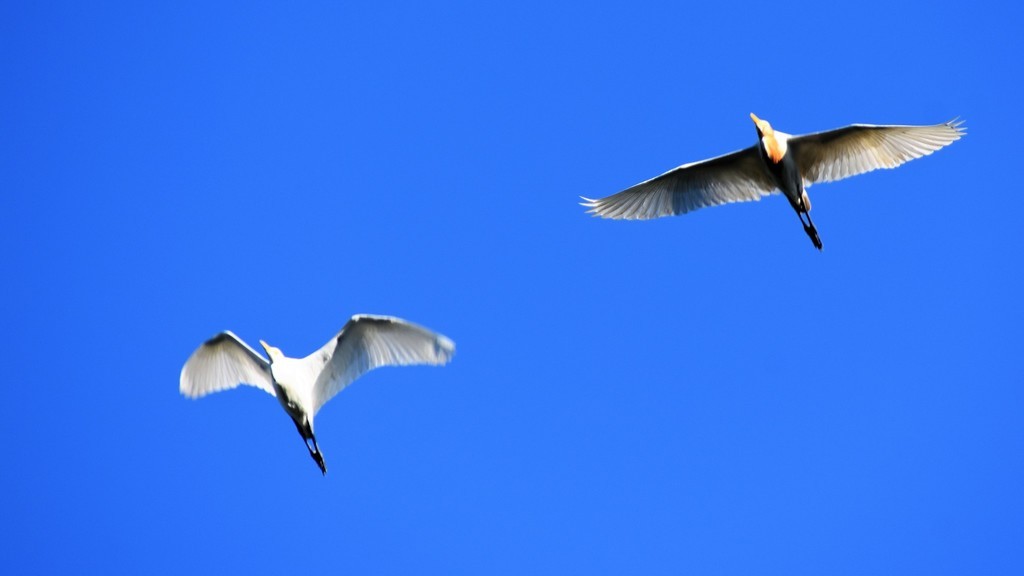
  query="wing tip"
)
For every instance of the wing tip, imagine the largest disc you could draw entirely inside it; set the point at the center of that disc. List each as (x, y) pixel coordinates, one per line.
(185, 388)
(600, 208)
(593, 207)
(959, 125)
(444, 349)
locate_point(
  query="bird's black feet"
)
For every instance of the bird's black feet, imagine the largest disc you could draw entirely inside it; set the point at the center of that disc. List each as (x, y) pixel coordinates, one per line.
(305, 428)
(314, 452)
(813, 233)
(319, 461)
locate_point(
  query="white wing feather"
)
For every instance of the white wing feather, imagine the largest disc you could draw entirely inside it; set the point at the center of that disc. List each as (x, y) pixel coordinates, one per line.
(367, 342)
(859, 148)
(735, 177)
(223, 362)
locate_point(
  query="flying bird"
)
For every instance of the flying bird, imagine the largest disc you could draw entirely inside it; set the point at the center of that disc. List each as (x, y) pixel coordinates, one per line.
(778, 162)
(304, 385)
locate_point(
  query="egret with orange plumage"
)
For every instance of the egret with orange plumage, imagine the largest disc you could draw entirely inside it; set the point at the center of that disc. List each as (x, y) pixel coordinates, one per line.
(779, 162)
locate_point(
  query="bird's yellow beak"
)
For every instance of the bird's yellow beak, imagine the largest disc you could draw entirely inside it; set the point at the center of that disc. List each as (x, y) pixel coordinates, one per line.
(274, 353)
(762, 125)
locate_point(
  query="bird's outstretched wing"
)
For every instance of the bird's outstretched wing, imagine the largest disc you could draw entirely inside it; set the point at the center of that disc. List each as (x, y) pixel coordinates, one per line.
(859, 148)
(367, 342)
(223, 362)
(735, 177)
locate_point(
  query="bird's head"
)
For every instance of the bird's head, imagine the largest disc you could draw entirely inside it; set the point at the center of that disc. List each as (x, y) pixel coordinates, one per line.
(763, 127)
(274, 353)
(774, 146)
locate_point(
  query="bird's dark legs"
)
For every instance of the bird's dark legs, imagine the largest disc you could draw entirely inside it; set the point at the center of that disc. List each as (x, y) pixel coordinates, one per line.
(809, 227)
(306, 431)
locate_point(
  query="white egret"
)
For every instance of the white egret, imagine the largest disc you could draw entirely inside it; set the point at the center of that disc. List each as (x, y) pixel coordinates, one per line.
(777, 162)
(304, 385)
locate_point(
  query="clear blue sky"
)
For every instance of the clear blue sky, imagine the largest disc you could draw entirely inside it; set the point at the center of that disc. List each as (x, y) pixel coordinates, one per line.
(705, 394)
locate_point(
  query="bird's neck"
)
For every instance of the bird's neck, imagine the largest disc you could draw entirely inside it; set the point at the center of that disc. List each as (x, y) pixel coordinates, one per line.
(295, 376)
(775, 145)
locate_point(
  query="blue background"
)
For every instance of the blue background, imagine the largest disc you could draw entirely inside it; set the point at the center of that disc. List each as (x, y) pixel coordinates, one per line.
(697, 395)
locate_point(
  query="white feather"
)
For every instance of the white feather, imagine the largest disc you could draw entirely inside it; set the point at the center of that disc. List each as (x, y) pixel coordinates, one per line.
(859, 148)
(367, 342)
(735, 177)
(224, 362)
